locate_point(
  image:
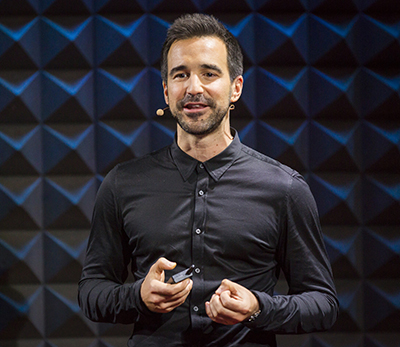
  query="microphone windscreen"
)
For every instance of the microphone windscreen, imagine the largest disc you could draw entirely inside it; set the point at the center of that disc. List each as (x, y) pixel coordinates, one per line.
(160, 112)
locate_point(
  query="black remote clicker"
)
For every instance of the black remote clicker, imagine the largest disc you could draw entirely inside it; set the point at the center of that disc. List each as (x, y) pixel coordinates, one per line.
(180, 276)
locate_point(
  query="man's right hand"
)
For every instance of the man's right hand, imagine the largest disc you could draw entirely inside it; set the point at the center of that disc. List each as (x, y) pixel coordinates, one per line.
(162, 297)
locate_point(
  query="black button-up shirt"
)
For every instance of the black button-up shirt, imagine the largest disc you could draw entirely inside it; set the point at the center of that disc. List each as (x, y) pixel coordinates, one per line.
(241, 215)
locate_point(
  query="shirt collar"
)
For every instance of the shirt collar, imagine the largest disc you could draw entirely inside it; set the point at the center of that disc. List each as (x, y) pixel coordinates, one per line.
(215, 166)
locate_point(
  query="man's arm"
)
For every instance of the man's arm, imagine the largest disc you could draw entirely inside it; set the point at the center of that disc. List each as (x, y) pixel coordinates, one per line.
(103, 294)
(311, 304)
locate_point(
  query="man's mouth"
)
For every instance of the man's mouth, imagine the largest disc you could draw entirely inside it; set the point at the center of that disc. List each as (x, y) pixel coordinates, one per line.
(194, 107)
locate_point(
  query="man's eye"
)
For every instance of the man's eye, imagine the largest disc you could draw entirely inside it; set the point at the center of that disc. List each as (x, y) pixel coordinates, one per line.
(180, 75)
(209, 74)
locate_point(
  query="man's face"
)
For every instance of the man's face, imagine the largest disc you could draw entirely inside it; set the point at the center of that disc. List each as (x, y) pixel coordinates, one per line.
(199, 89)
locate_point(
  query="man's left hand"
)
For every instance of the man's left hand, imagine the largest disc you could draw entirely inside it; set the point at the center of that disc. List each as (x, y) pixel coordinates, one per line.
(231, 304)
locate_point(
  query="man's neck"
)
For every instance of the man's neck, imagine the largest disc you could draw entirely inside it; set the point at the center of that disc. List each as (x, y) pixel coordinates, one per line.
(205, 147)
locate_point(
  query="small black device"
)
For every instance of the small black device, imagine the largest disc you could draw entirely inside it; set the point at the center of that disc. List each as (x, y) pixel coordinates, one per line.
(180, 276)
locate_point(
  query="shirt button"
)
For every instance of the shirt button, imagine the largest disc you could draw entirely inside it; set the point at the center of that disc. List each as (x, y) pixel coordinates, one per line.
(197, 270)
(195, 308)
(201, 193)
(198, 231)
(201, 166)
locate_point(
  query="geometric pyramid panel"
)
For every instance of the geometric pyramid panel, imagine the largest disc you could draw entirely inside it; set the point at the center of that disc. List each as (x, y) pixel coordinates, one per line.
(69, 149)
(68, 96)
(20, 199)
(80, 83)
(20, 96)
(68, 201)
(334, 93)
(335, 146)
(19, 37)
(379, 43)
(123, 93)
(380, 94)
(21, 258)
(382, 205)
(382, 244)
(22, 313)
(62, 7)
(284, 141)
(286, 90)
(337, 197)
(134, 41)
(63, 315)
(382, 147)
(331, 40)
(383, 310)
(284, 39)
(20, 150)
(350, 294)
(345, 249)
(67, 42)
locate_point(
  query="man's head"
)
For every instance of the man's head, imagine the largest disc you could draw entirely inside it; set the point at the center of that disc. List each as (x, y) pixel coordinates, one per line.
(200, 81)
(199, 25)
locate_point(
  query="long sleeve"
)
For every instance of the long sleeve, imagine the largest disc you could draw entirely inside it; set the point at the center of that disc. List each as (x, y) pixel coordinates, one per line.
(102, 294)
(311, 303)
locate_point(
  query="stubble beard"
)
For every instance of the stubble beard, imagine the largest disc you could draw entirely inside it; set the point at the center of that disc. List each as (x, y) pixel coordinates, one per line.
(197, 126)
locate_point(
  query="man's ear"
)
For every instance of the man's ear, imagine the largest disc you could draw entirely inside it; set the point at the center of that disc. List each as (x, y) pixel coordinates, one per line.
(165, 87)
(237, 87)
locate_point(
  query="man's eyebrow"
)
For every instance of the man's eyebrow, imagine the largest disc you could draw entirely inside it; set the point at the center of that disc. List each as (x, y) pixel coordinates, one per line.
(203, 66)
(176, 69)
(212, 67)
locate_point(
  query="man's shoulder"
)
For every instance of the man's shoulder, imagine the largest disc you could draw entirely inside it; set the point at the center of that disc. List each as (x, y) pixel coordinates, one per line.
(276, 174)
(268, 163)
(159, 157)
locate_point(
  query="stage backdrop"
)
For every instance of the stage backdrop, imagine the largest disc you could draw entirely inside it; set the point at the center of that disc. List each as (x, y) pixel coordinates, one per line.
(79, 86)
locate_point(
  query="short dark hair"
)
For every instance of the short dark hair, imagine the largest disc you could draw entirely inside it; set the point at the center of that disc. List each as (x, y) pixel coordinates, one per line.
(200, 25)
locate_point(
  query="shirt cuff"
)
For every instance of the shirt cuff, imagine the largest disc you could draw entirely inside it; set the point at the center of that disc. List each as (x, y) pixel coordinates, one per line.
(140, 305)
(264, 303)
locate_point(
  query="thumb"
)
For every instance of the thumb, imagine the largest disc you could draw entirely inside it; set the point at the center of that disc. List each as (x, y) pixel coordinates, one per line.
(162, 264)
(226, 285)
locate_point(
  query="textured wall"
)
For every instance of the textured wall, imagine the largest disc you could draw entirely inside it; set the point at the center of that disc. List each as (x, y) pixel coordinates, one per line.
(79, 85)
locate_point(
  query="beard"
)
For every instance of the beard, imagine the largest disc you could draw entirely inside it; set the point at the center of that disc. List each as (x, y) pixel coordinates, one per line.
(196, 126)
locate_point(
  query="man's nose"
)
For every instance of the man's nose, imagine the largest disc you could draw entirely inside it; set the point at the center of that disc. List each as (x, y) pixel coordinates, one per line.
(194, 85)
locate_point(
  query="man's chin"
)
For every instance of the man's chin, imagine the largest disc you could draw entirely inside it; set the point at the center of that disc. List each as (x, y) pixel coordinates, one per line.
(195, 116)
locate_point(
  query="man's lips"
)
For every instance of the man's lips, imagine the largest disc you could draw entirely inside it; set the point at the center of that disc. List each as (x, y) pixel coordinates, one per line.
(192, 107)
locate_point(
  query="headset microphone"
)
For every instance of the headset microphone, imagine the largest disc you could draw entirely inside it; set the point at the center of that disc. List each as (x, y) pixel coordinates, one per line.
(160, 111)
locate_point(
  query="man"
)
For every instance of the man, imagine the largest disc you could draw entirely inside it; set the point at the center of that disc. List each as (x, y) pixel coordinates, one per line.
(207, 200)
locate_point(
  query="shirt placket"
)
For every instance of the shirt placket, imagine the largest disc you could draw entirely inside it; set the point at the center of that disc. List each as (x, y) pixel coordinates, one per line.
(197, 304)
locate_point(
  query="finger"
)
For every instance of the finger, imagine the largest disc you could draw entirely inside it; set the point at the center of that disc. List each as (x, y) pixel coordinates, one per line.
(166, 306)
(180, 298)
(178, 290)
(208, 310)
(226, 285)
(165, 303)
(211, 310)
(157, 269)
(215, 305)
(162, 301)
(218, 313)
(230, 302)
(162, 264)
(218, 308)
